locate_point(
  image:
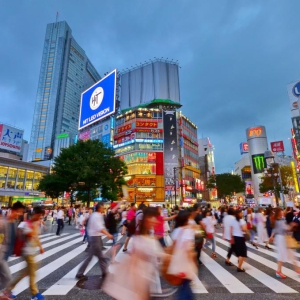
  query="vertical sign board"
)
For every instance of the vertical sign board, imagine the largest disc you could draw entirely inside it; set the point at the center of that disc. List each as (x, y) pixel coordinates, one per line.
(293, 90)
(257, 145)
(99, 101)
(244, 148)
(170, 146)
(10, 138)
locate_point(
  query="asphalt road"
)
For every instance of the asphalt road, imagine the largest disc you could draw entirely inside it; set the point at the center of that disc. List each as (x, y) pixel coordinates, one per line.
(63, 254)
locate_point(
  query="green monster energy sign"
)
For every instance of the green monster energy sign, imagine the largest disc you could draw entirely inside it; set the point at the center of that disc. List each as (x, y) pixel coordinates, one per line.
(258, 163)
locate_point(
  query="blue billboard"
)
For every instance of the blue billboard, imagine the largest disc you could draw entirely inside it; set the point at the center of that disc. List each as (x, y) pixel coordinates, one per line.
(99, 101)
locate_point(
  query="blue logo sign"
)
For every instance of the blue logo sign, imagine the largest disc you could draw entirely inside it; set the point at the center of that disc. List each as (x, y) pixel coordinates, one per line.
(296, 89)
(99, 101)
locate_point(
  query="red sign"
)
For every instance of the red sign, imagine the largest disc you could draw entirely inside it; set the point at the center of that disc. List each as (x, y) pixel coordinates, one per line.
(245, 147)
(277, 146)
(124, 128)
(146, 124)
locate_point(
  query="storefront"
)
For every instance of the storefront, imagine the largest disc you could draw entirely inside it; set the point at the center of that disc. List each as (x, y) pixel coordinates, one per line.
(19, 181)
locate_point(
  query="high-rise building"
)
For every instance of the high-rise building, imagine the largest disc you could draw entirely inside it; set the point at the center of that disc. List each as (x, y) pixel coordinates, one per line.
(65, 73)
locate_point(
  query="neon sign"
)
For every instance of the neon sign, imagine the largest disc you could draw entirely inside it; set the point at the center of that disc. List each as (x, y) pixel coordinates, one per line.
(255, 132)
(258, 163)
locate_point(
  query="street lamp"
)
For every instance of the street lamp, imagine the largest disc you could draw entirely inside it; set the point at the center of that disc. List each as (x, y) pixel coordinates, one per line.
(269, 156)
(134, 185)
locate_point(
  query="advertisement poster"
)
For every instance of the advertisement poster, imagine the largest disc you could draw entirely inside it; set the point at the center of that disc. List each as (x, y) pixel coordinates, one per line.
(10, 138)
(249, 188)
(258, 163)
(170, 146)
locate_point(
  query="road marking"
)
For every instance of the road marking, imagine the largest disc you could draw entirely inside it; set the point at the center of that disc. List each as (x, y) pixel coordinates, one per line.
(260, 276)
(66, 283)
(48, 269)
(19, 266)
(231, 283)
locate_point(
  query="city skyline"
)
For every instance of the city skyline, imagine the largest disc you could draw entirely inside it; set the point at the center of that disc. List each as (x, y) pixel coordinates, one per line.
(259, 67)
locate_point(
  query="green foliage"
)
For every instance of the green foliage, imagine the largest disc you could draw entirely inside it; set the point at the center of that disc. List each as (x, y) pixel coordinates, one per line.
(267, 183)
(226, 184)
(89, 165)
(53, 185)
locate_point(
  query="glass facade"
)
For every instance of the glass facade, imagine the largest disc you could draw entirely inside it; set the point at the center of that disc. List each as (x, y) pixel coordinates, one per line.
(19, 179)
(65, 73)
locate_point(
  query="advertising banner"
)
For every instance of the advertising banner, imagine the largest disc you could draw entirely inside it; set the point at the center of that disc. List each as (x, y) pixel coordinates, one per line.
(259, 163)
(277, 146)
(123, 128)
(86, 135)
(293, 90)
(10, 138)
(249, 188)
(148, 124)
(99, 101)
(170, 146)
(244, 148)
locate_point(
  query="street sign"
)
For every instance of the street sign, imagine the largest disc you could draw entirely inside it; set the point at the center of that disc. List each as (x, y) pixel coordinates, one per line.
(99, 101)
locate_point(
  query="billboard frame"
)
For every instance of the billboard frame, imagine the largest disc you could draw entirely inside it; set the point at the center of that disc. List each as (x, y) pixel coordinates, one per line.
(114, 101)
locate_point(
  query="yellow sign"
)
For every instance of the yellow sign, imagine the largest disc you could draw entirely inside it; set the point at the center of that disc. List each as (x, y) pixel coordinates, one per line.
(295, 177)
(38, 150)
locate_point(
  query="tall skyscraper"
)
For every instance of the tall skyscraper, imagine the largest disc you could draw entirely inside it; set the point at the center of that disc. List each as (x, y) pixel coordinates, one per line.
(65, 73)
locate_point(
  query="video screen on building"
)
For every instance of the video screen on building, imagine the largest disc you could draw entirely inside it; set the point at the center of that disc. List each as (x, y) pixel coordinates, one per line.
(258, 163)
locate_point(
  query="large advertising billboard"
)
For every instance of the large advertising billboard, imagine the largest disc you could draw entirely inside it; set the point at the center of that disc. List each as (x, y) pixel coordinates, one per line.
(170, 146)
(99, 101)
(277, 146)
(10, 138)
(293, 90)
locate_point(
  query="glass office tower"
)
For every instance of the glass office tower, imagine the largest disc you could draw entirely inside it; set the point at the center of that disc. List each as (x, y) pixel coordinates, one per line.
(65, 73)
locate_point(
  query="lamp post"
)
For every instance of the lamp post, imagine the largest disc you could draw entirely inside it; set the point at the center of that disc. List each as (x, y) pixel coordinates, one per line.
(134, 192)
(269, 156)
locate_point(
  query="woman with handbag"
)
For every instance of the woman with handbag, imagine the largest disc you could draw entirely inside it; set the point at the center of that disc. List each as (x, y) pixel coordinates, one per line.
(279, 235)
(183, 263)
(209, 223)
(134, 277)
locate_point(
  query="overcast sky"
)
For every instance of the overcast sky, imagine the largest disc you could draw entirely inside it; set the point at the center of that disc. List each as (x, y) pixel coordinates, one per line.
(236, 57)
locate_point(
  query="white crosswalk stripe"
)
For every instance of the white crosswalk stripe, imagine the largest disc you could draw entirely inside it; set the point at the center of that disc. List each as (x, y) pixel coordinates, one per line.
(69, 246)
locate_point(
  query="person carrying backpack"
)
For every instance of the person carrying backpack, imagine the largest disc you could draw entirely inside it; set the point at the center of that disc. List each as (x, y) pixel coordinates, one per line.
(31, 230)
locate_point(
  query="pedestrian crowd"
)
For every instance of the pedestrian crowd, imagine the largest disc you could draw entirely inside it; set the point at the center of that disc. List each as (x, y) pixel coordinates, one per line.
(159, 241)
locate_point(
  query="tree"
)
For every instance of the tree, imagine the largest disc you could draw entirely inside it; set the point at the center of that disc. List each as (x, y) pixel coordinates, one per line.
(90, 165)
(53, 185)
(286, 175)
(226, 184)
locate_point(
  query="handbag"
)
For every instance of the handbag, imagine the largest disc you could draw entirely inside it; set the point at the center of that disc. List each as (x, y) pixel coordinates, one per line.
(291, 243)
(247, 235)
(170, 278)
(209, 235)
(249, 226)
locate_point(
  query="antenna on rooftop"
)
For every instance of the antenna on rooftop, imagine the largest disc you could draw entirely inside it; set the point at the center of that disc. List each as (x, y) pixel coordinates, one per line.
(57, 15)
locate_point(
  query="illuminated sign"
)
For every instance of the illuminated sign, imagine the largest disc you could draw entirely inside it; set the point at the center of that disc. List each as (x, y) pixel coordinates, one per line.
(10, 138)
(99, 101)
(277, 146)
(146, 124)
(62, 136)
(295, 177)
(244, 148)
(124, 128)
(258, 163)
(255, 132)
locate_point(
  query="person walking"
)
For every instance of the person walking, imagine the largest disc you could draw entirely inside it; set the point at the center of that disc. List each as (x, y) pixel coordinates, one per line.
(209, 223)
(228, 220)
(31, 229)
(60, 221)
(130, 222)
(70, 214)
(96, 229)
(279, 237)
(238, 228)
(250, 217)
(183, 258)
(262, 235)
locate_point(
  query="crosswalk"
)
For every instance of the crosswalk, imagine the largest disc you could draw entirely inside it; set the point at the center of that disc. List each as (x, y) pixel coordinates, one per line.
(63, 255)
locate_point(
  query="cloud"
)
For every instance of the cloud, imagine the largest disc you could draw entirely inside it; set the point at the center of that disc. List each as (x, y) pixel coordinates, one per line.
(236, 57)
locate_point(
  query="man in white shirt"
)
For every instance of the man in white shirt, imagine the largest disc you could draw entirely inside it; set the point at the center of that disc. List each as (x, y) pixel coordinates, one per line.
(96, 229)
(60, 220)
(227, 233)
